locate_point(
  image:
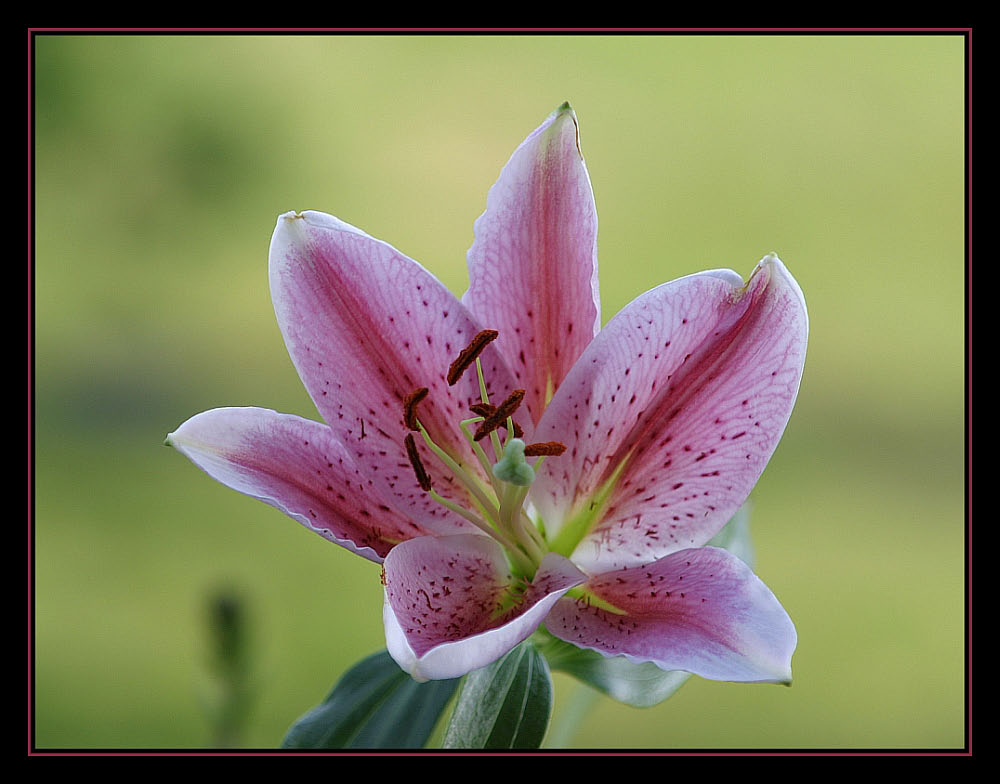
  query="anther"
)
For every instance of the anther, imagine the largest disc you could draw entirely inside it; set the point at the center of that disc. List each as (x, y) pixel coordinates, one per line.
(469, 354)
(418, 466)
(553, 448)
(410, 407)
(486, 410)
(483, 409)
(499, 417)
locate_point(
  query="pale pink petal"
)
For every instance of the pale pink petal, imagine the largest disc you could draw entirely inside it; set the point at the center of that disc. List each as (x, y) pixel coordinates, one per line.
(533, 264)
(365, 326)
(448, 603)
(299, 467)
(690, 387)
(701, 611)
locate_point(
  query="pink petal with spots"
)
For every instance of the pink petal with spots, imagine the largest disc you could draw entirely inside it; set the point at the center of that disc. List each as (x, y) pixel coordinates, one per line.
(365, 326)
(702, 611)
(533, 265)
(448, 607)
(690, 386)
(299, 467)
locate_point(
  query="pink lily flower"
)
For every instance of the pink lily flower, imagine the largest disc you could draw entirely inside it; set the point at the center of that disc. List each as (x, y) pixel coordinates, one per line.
(637, 443)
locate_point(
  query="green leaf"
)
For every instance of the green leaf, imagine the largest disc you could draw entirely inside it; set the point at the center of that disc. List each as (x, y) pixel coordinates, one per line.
(639, 685)
(375, 705)
(735, 536)
(505, 705)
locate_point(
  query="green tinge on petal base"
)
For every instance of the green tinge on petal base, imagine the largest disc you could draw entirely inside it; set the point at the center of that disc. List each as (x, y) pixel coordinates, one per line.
(577, 527)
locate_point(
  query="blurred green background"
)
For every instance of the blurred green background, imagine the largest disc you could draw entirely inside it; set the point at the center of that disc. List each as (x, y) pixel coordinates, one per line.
(161, 165)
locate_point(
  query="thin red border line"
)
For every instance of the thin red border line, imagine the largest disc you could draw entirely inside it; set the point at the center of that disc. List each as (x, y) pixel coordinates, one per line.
(968, 388)
(968, 35)
(31, 456)
(35, 30)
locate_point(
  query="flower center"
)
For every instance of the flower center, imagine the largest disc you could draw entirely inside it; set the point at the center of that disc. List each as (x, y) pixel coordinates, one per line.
(499, 506)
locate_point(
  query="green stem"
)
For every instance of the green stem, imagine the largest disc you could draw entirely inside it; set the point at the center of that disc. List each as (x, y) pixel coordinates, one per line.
(568, 723)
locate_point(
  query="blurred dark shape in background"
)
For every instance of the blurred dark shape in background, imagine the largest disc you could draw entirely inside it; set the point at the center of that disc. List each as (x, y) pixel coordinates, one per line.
(230, 691)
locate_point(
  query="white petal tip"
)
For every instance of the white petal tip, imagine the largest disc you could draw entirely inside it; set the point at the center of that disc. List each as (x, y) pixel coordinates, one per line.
(781, 676)
(290, 217)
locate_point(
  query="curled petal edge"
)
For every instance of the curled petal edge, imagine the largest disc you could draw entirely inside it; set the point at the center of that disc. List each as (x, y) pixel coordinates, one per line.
(454, 659)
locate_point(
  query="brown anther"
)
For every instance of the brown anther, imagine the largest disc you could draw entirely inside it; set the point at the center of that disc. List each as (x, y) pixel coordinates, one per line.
(469, 354)
(482, 409)
(418, 466)
(410, 407)
(487, 410)
(499, 417)
(544, 448)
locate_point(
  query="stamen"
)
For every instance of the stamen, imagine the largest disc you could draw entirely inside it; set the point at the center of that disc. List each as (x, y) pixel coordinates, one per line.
(418, 466)
(410, 407)
(486, 410)
(499, 417)
(469, 354)
(544, 448)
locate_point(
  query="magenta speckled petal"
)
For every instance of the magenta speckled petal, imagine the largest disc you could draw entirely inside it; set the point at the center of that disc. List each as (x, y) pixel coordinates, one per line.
(299, 467)
(365, 326)
(533, 265)
(653, 430)
(690, 387)
(701, 611)
(449, 605)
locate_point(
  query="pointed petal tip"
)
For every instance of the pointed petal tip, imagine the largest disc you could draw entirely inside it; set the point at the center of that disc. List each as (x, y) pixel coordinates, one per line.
(298, 221)
(779, 672)
(564, 108)
(286, 219)
(563, 113)
(776, 268)
(553, 126)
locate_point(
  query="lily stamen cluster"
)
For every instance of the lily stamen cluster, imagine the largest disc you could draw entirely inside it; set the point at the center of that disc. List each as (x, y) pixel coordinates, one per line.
(499, 514)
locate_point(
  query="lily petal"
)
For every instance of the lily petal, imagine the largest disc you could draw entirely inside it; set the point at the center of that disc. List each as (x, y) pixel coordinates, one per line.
(533, 264)
(452, 605)
(365, 326)
(702, 611)
(671, 416)
(299, 467)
